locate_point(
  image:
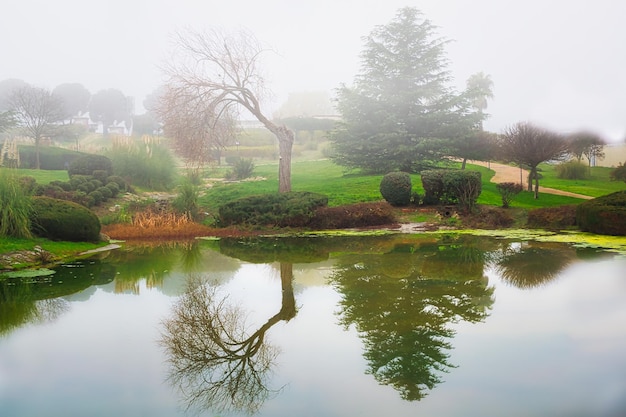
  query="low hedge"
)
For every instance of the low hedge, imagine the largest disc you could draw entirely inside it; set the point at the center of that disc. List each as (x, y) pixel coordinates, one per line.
(292, 209)
(64, 220)
(604, 215)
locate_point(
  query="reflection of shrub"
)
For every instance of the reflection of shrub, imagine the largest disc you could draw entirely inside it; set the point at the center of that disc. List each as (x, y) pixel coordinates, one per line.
(572, 170)
(64, 220)
(293, 209)
(604, 215)
(508, 191)
(395, 187)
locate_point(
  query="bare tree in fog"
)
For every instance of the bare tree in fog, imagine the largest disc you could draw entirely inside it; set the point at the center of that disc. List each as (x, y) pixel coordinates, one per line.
(526, 144)
(222, 71)
(35, 109)
(199, 126)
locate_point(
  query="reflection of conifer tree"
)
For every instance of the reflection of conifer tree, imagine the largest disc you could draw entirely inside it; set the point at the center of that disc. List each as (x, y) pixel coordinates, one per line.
(403, 316)
(214, 362)
(533, 264)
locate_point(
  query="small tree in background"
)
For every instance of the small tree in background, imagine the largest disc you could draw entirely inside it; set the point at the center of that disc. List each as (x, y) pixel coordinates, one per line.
(35, 109)
(619, 173)
(586, 144)
(529, 145)
(508, 191)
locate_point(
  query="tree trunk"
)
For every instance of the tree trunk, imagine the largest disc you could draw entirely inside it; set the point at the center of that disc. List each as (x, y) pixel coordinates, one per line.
(37, 164)
(536, 183)
(285, 145)
(463, 163)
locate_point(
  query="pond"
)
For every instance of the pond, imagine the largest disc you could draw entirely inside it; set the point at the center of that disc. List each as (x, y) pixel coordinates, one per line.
(395, 325)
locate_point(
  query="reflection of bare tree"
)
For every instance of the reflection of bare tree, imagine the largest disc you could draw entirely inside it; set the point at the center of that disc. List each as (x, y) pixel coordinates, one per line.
(214, 362)
(532, 265)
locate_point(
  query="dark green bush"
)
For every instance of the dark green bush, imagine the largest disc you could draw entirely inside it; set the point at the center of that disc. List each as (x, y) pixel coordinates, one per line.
(50, 157)
(64, 185)
(432, 181)
(443, 186)
(604, 215)
(114, 188)
(619, 173)
(121, 183)
(87, 164)
(97, 197)
(293, 209)
(572, 170)
(77, 180)
(395, 187)
(64, 220)
(106, 192)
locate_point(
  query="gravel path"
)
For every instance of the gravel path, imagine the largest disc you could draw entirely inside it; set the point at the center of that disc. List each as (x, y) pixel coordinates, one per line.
(507, 173)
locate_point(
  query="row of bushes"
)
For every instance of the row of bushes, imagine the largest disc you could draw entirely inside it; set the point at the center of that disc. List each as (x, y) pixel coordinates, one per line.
(22, 215)
(302, 209)
(441, 186)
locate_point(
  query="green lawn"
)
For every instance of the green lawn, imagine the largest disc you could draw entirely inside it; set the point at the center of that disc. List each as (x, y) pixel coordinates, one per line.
(44, 176)
(597, 185)
(342, 187)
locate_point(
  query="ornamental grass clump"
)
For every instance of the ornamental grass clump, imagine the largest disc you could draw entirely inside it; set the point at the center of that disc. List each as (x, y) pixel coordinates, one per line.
(15, 207)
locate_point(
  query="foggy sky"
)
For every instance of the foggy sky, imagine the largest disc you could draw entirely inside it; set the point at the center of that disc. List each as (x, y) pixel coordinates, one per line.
(557, 63)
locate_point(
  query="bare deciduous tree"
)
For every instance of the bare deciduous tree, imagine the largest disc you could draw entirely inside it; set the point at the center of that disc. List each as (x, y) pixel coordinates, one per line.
(223, 69)
(586, 144)
(530, 145)
(198, 128)
(35, 109)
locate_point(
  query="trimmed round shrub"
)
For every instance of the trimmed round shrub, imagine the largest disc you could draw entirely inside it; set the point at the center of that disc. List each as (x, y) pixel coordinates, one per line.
(395, 187)
(106, 192)
(87, 164)
(114, 188)
(64, 220)
(121, 183)
(97, 197)
(604, 215)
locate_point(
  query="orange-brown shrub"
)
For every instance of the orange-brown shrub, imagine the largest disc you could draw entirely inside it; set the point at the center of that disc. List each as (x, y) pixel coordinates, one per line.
(552, 217)
(354, 215)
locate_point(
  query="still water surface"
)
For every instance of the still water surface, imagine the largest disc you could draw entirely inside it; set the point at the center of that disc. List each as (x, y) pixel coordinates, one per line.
(387, 326)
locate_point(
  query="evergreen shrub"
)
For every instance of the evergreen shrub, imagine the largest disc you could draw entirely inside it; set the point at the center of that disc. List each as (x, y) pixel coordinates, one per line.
(395, 187)
(87, 164)
(604, 215)
(50, 157)
(442, 186)
(64, 220)
(292, 209)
